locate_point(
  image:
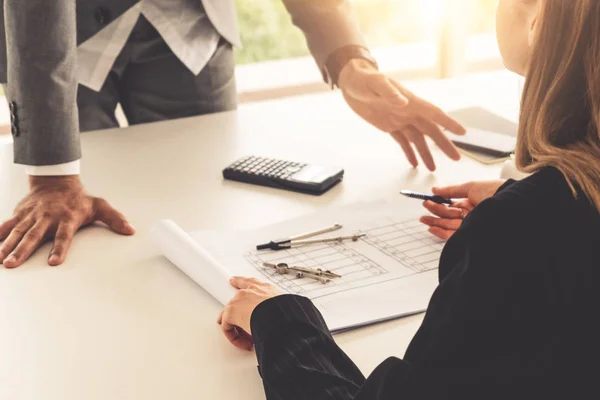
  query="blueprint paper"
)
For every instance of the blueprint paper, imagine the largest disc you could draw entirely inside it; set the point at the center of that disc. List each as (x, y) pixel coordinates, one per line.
(390, 273)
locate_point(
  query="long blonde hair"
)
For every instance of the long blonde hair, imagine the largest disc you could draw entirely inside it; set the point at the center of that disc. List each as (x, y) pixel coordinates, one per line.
(560, 108)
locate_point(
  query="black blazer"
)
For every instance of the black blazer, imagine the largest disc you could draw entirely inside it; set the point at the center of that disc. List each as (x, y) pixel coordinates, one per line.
(516, 314)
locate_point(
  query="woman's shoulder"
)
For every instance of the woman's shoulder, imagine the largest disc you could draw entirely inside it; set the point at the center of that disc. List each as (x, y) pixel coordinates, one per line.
(528, 204)
(547, 186)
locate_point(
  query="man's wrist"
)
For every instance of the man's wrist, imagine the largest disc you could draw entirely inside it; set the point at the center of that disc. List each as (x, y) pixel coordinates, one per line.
(339, 59)
(41, 182)
(351, 67)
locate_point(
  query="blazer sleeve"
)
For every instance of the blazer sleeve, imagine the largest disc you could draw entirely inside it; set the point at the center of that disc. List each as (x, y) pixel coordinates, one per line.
(327, 24)
(299, 360)
(42, 81)
(473, 343)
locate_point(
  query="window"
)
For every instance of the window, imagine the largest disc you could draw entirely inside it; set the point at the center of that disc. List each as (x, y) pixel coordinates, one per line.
(481, 47)
(410, 39)
(482, 16)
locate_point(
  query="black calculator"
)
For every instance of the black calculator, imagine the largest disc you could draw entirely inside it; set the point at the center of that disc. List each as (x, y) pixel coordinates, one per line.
(298, 177)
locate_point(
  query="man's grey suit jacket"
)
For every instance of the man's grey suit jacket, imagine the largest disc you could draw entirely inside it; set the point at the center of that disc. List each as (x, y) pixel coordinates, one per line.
(38, 57)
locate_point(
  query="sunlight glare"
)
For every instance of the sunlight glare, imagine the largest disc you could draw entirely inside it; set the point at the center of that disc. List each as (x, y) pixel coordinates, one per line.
(431, 12)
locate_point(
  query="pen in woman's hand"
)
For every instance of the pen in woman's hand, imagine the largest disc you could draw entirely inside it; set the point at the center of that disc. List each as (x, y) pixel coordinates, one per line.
(422, 196)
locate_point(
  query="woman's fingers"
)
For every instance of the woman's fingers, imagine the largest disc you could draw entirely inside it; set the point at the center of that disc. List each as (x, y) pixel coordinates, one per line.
(235, 335)
(243, 340)
(443, 211)
(447, 219)
(444, 223)
(239, 339)
(241, 282)
(443, 234)
(454, 192)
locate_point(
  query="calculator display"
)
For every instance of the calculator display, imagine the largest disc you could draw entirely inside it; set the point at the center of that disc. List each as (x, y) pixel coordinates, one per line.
(314, 173)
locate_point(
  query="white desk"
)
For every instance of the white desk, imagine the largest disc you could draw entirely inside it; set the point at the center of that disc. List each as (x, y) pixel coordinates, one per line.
(119, 322)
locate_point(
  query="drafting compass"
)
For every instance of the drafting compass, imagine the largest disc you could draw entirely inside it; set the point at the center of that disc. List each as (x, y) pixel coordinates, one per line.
(302, 272)
(302, 240)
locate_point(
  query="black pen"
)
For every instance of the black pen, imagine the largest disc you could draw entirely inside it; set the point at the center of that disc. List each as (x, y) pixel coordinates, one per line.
(422, 196)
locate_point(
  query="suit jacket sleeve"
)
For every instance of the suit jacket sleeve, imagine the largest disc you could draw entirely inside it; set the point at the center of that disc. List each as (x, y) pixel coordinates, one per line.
(299, 360)
(473, 342)
(42, 81)
(327, 24)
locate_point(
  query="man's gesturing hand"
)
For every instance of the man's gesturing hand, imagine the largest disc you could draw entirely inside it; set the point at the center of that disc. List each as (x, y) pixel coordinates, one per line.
(390, 107)
(56, 207)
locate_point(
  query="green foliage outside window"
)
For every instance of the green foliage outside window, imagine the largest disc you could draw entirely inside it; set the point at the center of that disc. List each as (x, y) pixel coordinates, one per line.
(268, 34)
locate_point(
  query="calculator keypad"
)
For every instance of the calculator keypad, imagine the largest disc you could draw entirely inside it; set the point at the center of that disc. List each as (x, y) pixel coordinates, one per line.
(267, 167)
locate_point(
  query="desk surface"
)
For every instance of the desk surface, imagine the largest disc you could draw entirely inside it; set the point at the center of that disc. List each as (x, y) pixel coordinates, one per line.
(117, 321)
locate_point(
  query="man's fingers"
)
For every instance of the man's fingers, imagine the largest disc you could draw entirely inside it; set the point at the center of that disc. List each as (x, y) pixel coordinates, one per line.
(240, 282)
(439, 137)
(7, 226)
(62, 241)
(14, 237)
(431, 112)
(28, 244)
(444, 223)
(438, 116)
(382, 87)
(442, 211)
(454, 192)
(406, 147)
(441, 233)
(116, 221)
(418, 140)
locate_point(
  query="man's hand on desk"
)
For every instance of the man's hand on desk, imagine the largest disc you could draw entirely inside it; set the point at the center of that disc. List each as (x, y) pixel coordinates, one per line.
(235, 317)
(387, 105)
(56, 207)
(448, 219)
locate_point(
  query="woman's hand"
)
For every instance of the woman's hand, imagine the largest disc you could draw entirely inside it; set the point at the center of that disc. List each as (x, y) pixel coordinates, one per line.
(235, 317)
(449, 218)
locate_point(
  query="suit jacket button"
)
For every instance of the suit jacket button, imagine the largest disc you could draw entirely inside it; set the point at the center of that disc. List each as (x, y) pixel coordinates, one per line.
(102, 16)
(14, 129)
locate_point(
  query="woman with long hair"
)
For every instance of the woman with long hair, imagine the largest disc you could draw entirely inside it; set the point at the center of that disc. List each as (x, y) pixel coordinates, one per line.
(516, 314)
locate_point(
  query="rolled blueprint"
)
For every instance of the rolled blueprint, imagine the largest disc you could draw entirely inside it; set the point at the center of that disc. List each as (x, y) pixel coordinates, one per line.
(183, 251)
